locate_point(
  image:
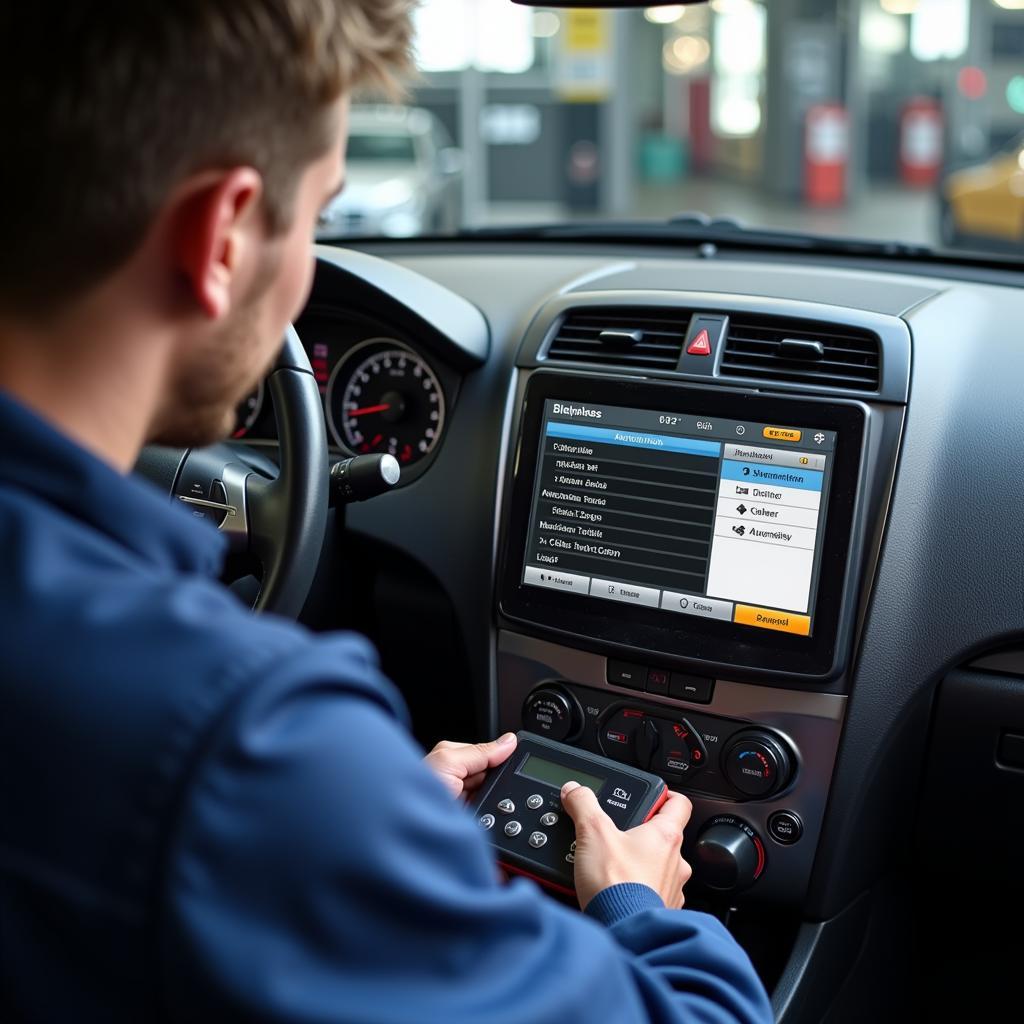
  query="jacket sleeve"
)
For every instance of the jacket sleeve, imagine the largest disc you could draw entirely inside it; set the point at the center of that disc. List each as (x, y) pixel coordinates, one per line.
(318, 872)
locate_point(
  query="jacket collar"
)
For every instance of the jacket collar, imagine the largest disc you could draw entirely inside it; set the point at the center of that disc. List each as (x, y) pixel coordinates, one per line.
(38, 459)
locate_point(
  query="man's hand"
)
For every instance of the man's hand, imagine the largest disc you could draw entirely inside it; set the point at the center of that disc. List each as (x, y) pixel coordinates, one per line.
(648, 854)
(462, 766)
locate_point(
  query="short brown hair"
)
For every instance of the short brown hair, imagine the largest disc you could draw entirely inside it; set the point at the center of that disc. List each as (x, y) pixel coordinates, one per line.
(106, 105)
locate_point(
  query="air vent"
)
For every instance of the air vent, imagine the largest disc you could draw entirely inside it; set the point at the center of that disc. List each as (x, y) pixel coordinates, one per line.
(622, 337)
(801, 352)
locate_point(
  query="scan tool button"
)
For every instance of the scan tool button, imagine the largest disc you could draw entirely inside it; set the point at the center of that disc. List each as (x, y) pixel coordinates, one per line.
(537, 839)
(535, 801)
(506, 806)
(513, 828)
(486, 821)
(549, 819)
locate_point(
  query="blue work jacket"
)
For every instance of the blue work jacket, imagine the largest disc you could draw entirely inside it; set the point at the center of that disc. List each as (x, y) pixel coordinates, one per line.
(209, 815)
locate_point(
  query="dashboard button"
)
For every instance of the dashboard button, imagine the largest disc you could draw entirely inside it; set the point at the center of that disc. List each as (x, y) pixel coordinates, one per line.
(513, 828)
(623, 673)
(769, 618)
(683, 686)
(785, 827)
(657, 681)
(703, 340)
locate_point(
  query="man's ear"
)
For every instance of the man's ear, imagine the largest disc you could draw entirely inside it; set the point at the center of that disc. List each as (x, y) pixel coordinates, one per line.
(219, 213)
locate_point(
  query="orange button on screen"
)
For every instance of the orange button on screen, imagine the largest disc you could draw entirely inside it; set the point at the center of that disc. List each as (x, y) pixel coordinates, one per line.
(767, 618)
(782, 434)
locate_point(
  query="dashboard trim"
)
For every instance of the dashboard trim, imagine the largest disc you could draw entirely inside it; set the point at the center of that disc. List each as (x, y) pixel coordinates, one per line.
(893, 333)
(461, 332)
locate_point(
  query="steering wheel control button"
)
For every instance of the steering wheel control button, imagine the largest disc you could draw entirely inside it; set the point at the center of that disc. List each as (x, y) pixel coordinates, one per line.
(696, 689)
(535, 801)
(549, 819)
(506, 806)
(513, 828)
(757, 763)
(486, 821)
(624, 673)
(785, 827)
(553, 712)
(537, 839)
(657, 682)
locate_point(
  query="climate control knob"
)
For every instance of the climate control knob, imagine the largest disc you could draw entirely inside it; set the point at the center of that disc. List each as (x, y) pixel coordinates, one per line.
(757, 763)
(552, 711)
(728, 855)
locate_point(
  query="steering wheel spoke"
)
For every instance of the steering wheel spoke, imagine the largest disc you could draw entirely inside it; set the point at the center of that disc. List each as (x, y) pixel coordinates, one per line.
(279, 521)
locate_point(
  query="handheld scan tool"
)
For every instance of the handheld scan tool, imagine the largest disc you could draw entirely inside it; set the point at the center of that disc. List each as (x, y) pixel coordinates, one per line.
(520, 806)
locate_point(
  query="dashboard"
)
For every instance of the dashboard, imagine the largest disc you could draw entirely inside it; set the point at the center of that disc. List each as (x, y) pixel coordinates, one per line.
(749, 524)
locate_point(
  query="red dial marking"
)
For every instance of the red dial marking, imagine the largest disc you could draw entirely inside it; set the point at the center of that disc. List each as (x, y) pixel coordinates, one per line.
(366, 410)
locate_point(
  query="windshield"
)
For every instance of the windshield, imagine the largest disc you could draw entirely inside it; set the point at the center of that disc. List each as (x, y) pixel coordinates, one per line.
(894, 120)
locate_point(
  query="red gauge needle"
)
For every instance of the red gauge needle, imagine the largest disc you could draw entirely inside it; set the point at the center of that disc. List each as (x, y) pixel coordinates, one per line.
(368, 409)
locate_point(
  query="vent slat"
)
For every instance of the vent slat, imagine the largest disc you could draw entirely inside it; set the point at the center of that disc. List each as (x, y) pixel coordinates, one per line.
(809, 365)
(578, 338)
(737, 340)
(753, 348)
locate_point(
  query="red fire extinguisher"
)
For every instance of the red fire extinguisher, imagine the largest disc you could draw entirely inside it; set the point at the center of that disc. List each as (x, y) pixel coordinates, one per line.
(826, 152)
(921, 142)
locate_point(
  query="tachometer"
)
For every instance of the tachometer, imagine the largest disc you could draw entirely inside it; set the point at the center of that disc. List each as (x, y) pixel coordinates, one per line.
(385, 398)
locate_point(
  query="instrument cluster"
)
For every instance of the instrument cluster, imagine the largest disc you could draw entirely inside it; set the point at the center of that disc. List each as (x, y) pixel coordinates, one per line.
(381, 392)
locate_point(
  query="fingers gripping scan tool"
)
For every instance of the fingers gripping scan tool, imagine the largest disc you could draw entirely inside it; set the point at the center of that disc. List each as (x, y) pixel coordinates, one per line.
(520, 806)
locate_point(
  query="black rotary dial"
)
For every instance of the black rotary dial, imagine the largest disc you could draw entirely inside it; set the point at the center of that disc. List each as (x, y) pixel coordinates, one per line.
(384, 398)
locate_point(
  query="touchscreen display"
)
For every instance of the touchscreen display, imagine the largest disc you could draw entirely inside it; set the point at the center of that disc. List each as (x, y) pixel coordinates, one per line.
(691, 515)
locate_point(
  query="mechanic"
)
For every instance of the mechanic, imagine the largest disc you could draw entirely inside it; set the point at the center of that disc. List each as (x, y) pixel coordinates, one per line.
(208, 815)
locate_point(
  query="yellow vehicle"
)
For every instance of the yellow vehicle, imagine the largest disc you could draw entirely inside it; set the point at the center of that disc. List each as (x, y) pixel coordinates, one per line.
(984, 204)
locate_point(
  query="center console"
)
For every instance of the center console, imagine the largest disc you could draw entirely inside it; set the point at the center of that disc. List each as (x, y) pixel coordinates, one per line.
(684, 561)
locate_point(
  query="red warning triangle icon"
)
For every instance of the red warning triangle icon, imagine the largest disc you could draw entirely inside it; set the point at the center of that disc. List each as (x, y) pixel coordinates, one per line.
(700, 346)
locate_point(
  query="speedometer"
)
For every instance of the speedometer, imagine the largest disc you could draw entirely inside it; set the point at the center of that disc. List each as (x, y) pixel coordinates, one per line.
(383, 397)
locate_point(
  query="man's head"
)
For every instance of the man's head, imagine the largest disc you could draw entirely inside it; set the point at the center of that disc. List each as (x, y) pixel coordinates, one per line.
(193, 143)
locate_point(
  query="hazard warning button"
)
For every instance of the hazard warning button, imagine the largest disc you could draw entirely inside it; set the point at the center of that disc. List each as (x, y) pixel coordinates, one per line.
(701, 345)
(703, 340)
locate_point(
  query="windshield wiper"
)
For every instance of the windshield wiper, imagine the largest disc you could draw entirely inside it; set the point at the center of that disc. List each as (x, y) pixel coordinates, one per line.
(703, 230)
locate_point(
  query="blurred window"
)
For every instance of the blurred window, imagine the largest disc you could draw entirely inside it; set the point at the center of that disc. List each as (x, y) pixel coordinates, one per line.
(381, 148)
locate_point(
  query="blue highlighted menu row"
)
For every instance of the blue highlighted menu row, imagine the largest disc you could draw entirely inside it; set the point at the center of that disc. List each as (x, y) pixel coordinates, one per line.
(777, 476)
(635, 439)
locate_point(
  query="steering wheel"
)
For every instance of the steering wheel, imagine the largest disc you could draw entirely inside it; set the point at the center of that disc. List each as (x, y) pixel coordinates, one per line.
(279, 519)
